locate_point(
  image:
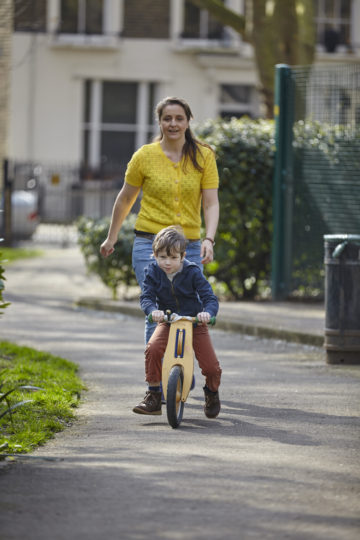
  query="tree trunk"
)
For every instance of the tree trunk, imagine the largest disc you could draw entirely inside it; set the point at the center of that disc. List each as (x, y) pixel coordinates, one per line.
(282, 32)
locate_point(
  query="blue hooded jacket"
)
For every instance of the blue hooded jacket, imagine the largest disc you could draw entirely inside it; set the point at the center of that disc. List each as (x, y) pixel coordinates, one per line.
(188, 293)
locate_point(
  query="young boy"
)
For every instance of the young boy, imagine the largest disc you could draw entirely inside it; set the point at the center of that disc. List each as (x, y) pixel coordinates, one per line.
(172, 282)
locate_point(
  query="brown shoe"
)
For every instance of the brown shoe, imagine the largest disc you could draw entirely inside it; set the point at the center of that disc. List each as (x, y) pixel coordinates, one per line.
(151, 404)
(212, 403)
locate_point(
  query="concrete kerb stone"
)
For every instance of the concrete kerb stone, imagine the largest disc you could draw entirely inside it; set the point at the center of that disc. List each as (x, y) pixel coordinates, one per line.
(270, 333)
(223, 323)
(111, 306)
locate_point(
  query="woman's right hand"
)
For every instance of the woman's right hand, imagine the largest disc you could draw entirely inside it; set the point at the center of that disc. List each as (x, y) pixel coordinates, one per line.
(122, 206)
(107, 248)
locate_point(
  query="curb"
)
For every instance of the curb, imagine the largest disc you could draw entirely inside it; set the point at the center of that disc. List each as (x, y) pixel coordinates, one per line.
(223, 323)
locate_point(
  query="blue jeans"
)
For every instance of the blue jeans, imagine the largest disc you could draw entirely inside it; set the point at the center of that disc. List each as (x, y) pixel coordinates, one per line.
(142, 255)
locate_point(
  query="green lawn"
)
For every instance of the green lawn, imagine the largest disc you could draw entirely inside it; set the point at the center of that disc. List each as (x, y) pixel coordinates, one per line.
(35, 414)
(9, 255)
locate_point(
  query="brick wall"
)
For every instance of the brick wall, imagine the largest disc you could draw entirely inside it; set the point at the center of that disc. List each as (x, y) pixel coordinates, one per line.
(146, 19)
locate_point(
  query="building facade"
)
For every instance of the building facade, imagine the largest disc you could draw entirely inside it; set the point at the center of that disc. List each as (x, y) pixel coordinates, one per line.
(87, 74)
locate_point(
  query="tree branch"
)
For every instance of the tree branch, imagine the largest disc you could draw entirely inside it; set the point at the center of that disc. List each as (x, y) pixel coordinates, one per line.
(225, 16)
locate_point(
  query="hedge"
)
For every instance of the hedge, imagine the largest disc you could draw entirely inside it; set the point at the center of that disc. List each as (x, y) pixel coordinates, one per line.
(116, 269)
(245, 158)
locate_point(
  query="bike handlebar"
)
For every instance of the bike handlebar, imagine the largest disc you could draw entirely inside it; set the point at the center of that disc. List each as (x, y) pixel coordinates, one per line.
(192, 319)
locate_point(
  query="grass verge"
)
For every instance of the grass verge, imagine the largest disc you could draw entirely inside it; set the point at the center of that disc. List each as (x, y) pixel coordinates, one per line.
(9, 255)
(35, 415)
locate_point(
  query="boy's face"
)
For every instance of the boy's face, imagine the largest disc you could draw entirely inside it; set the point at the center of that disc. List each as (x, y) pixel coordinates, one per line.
(169, 263)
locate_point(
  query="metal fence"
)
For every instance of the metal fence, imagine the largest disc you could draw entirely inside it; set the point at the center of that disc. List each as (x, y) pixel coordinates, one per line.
(317, 178)
(61, 194)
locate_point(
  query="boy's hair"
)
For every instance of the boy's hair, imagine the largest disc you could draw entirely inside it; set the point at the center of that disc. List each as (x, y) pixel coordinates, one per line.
(171, 239)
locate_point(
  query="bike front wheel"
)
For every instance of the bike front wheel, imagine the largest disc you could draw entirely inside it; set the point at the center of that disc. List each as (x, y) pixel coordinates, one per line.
(174, 405)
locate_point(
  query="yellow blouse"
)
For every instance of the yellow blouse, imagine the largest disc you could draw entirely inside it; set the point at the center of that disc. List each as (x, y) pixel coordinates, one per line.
(170, 196)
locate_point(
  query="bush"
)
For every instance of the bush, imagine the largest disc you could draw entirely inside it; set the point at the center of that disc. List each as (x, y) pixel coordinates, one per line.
(116, 269)
(325, 197)
(245, 158)
(3, 304)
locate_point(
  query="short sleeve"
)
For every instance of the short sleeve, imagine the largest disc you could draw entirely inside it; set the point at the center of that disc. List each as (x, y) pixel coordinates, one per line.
(210, 175)
(134, 174)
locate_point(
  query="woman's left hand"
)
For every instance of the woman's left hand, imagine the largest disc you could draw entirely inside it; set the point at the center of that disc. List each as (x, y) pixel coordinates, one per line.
(206, 251)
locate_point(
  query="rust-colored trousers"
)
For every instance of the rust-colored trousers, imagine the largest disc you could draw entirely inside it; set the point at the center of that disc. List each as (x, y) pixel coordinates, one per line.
(203, 348)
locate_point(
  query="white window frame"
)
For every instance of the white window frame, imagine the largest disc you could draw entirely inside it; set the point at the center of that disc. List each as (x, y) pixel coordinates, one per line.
(112, 26)
(141, 128)
(177, 13)
(252, 106)
(321, 20)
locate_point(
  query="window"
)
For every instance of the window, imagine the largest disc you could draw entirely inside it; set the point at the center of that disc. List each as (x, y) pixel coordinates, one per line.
(81, 16)
(118, 118)
(199, 24)
(333, 23)
(30, 16)
(149, 21)
(238, 100)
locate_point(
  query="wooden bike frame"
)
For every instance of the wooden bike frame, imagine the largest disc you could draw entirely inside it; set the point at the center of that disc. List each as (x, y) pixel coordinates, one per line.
(179, 351)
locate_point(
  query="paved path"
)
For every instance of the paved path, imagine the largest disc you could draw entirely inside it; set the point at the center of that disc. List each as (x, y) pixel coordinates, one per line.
(289, 321)
(280, 462)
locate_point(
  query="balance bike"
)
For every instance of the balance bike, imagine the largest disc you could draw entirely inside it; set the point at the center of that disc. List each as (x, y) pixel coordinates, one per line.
(178, 364)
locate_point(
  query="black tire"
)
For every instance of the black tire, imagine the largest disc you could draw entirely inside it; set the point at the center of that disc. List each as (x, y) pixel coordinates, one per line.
(174, 405)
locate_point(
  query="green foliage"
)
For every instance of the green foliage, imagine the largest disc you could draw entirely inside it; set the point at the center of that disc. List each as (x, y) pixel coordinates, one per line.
(245, 155)
(12, 407)
(29, 420)
(326, 137)
(116, 269)
(245, 158)
(3, 304)
(12, 254)
(326, 197)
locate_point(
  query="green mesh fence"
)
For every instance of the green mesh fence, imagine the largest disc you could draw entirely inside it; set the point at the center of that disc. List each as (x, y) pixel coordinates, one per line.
(326, 167)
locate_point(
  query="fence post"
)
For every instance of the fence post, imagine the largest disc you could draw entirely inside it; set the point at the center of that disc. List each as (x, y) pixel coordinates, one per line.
(282, 184)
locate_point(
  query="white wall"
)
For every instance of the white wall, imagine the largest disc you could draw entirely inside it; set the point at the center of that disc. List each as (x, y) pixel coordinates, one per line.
(47, 107)
(46, 102)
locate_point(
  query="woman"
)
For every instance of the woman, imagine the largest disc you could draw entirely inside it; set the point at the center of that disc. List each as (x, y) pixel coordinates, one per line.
(177, 174)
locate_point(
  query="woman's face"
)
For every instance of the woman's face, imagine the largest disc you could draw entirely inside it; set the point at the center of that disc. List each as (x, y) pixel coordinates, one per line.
(173, 122)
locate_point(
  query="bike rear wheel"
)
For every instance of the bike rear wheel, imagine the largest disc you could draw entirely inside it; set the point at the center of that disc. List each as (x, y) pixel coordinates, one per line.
(174, 405)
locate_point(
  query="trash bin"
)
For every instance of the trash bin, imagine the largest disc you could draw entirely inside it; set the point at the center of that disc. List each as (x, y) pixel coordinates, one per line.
(342, 298)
